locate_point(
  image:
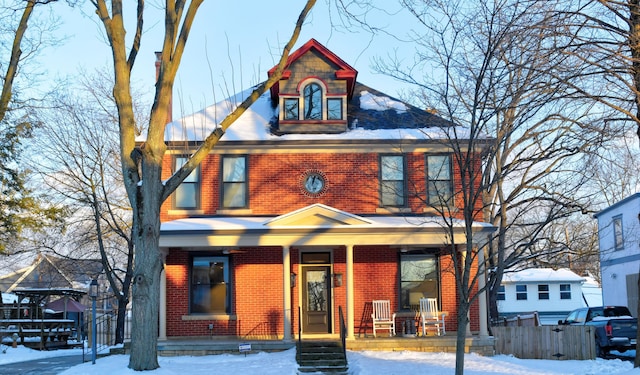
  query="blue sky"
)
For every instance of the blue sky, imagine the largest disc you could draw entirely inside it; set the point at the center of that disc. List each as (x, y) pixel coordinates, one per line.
(235, 40)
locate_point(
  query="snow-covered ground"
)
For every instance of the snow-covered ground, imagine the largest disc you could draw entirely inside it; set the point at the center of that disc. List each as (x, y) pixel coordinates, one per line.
(360, 363)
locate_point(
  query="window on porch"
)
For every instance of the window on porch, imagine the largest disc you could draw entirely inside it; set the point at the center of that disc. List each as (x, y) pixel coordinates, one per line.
(418, 279)
(210, 285)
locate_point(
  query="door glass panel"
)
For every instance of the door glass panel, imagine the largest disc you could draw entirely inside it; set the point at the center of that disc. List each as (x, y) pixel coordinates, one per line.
(316, 291)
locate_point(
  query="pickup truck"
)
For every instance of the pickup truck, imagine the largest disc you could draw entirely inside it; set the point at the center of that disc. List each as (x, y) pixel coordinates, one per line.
(615, 327)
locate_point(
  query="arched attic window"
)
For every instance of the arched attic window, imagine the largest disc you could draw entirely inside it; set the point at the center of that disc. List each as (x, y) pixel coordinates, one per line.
(312, 101)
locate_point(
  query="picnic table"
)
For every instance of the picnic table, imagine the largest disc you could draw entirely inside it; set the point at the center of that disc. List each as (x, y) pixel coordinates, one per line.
(52, 332)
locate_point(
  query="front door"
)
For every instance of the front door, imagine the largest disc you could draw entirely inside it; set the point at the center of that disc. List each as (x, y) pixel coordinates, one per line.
(316, 297)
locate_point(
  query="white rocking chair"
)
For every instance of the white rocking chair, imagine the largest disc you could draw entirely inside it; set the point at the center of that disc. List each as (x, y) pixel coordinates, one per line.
(431, 318)
(382, 317)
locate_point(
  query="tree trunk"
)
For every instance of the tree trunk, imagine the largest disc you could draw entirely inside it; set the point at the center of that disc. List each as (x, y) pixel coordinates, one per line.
(121, 316)
(461, 334)
(146, 275)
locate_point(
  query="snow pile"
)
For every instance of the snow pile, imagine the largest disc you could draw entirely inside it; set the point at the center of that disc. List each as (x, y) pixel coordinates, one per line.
(378, 103)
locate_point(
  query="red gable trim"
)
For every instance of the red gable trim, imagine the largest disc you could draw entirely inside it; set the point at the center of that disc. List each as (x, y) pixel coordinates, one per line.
(345, 71)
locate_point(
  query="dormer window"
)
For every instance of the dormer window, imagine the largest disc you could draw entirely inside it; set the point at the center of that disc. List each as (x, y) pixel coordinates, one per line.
(313, 102)
(291, 109)
(334, 109)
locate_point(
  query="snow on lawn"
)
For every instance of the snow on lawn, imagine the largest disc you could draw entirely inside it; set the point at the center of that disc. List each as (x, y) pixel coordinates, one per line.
(360, 363)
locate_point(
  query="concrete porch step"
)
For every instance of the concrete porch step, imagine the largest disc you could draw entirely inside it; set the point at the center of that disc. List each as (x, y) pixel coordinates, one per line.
(324, 357)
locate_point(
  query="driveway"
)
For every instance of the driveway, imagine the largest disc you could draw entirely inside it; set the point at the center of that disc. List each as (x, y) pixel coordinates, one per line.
(43, 366)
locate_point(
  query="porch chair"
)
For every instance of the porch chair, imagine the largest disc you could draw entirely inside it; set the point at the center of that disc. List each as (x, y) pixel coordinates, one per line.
(382, 317)
(430, 317)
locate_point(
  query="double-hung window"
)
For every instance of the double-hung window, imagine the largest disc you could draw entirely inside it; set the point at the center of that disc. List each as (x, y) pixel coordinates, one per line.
(418, 279)
(187, 195)
(234, 182)
(565, 291)
(439, 182)
(210, 285)
(501, 295)
(521, 292)
(543, 291)
(392, 181)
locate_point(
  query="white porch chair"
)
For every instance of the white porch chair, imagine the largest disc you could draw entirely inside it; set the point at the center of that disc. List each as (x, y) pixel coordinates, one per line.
(431, 318)
(382, 317)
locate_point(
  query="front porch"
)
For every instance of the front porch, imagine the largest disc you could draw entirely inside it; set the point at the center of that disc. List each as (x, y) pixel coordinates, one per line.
(483, 345)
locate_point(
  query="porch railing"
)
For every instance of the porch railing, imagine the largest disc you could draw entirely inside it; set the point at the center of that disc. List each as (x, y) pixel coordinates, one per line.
(343, 332)
(299, 342)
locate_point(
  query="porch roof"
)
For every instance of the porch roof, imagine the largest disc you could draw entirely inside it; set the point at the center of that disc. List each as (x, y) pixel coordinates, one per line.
(316, 225)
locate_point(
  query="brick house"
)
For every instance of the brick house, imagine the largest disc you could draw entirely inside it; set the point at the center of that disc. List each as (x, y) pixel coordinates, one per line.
(320, 198)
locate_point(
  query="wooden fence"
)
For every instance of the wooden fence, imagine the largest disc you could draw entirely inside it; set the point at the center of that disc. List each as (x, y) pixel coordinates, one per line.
(529, 320)
(546, 342)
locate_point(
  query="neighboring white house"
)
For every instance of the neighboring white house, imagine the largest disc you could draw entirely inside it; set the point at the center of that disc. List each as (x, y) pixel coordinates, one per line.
(619, 243)
(552, 293)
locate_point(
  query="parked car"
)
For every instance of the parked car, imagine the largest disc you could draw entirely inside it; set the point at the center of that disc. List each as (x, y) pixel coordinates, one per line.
(616, 329)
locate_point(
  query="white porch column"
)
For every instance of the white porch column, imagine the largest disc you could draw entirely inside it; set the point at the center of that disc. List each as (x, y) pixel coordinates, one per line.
(286, 278)
(350, 297)
(162, 311)
(482, 298)
(162, 334)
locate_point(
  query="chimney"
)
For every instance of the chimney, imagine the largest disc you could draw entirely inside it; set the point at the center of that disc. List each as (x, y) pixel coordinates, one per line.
(170, 109)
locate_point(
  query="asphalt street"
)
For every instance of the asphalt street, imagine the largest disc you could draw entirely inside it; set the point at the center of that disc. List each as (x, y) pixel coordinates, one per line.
(44, 366)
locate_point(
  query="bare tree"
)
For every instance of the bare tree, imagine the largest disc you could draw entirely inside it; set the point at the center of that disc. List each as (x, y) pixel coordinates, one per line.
(486, 68)
(79, 159)
(142, 166)
(20, 208)
(605, 36)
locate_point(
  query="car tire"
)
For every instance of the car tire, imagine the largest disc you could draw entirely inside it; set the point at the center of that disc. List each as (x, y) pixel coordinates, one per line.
(601, 352)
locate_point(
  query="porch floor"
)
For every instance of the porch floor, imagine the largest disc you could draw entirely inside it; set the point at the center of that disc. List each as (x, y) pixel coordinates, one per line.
(208, 346)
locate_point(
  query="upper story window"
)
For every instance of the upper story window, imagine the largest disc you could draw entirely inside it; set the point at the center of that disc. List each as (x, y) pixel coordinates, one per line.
(234, 182)
(334, 109)
(501, 295)
(187, 195)
(543, 291)
(313, 102)
(439, 181)
(291, 109)
(392, 181)
(618, 237)
(565, 291)
(521, 292)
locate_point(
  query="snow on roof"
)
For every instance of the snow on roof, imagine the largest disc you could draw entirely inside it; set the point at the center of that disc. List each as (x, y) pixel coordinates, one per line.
(9, 298)
(380, 103)
(542, 274)
(260, 223)
(255, 123)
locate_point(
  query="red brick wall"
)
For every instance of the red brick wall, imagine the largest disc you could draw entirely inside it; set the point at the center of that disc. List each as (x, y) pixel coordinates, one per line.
(257, 291)
(256, 298)
(275, 183)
